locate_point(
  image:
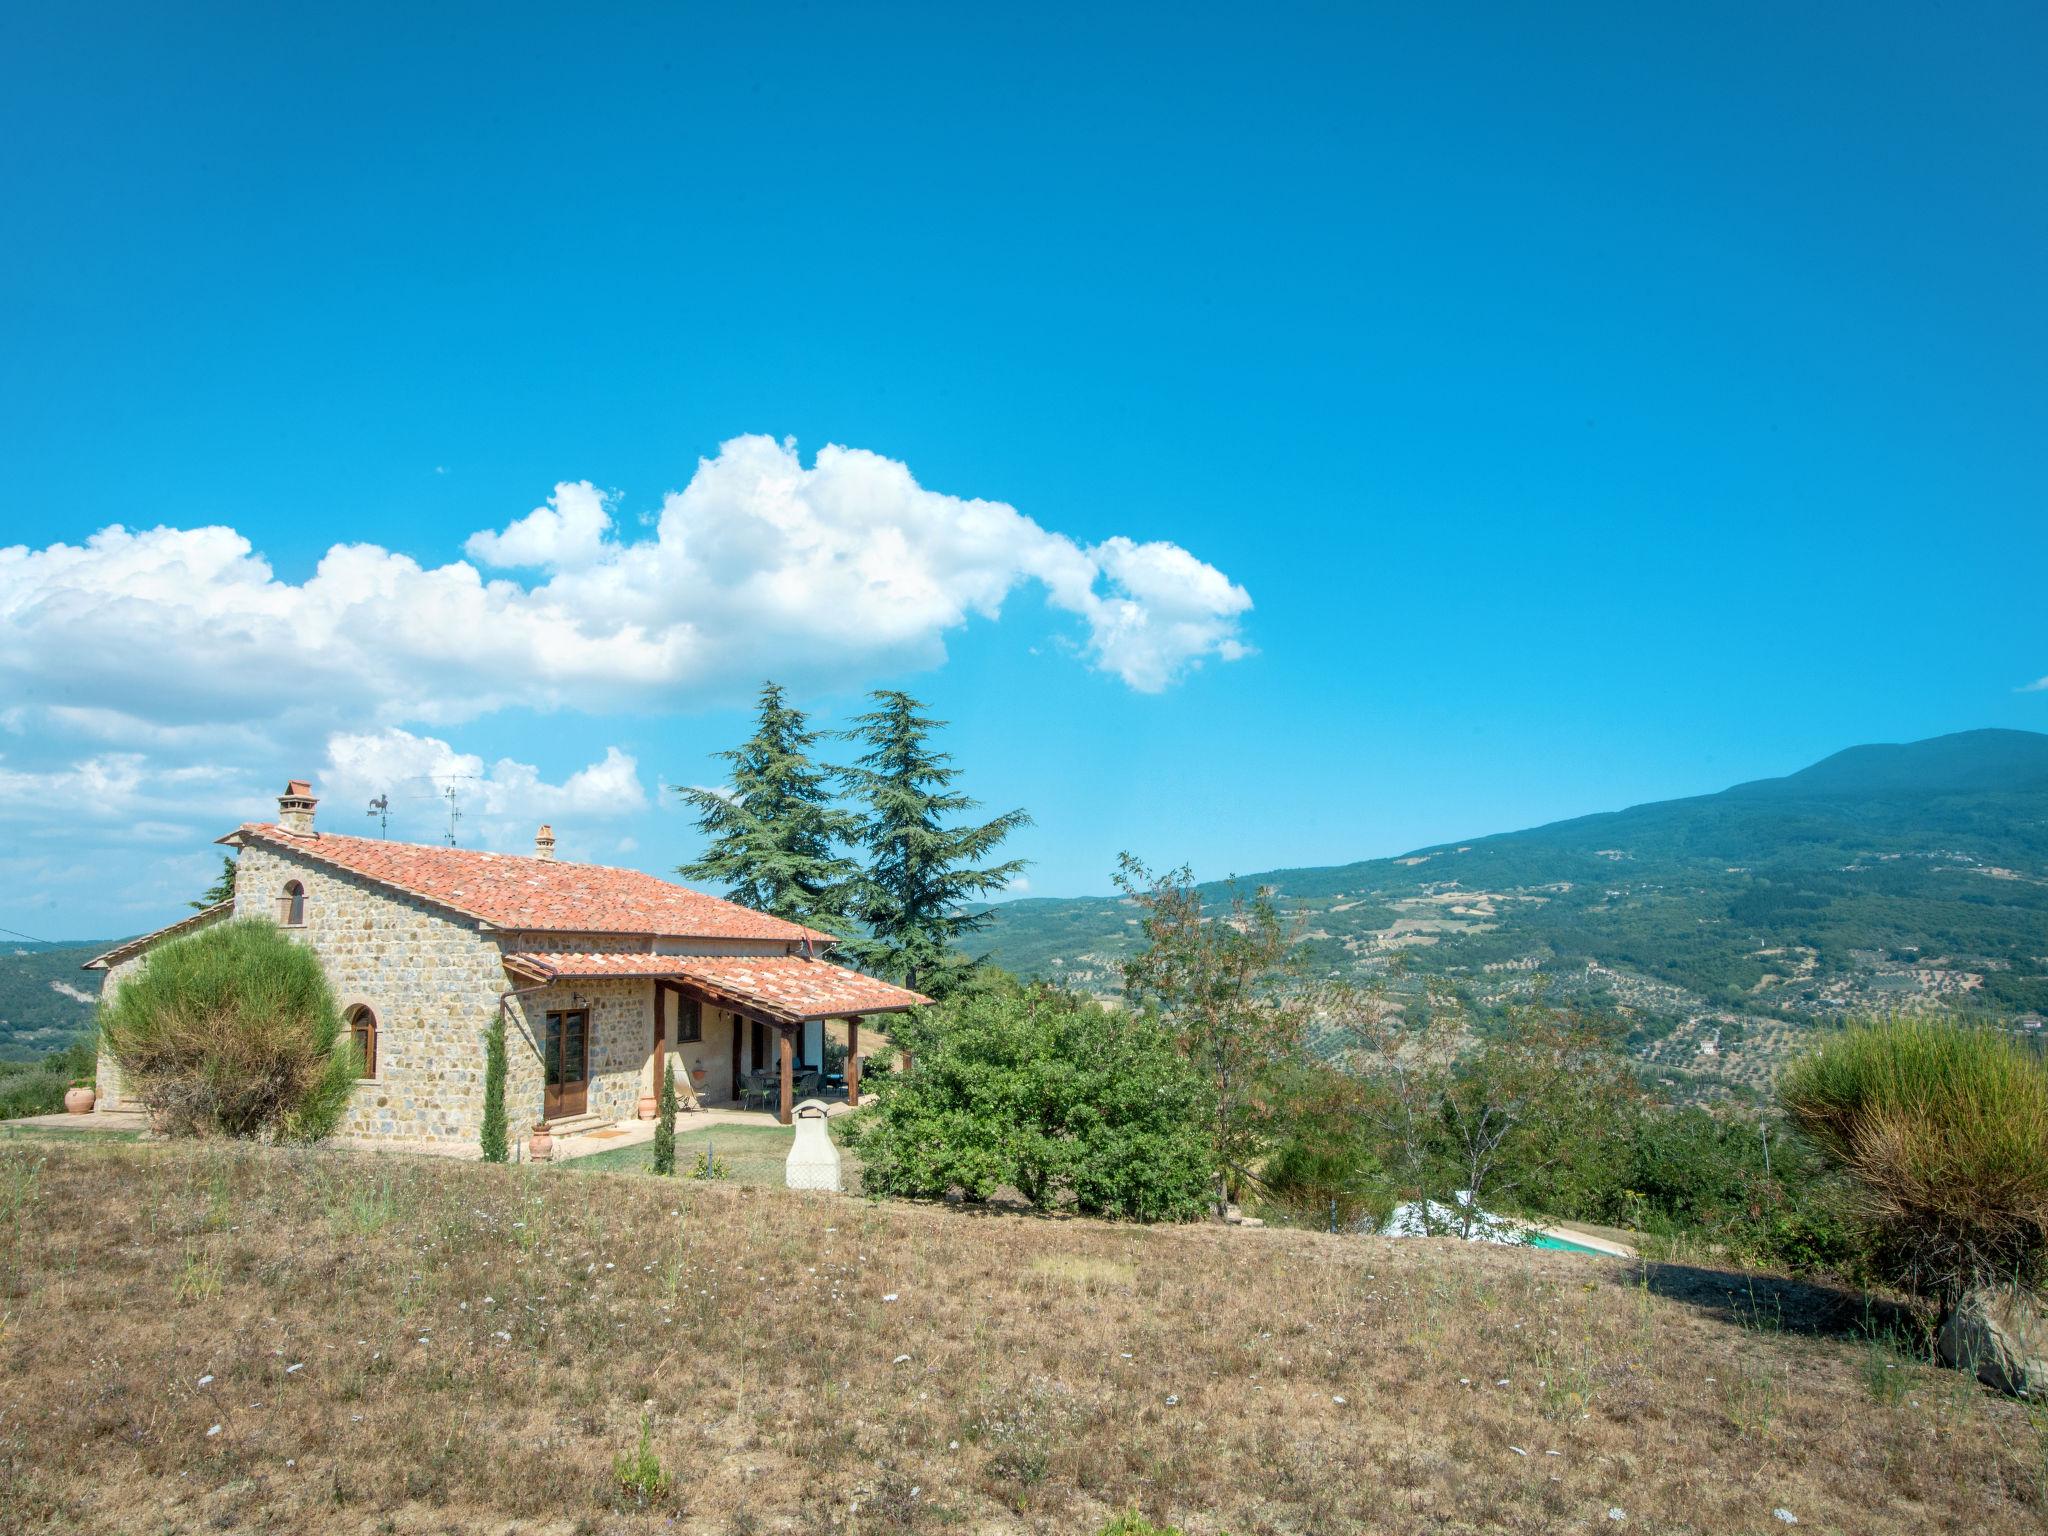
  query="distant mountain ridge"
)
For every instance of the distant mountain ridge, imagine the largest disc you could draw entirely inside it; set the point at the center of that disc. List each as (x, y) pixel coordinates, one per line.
(1884, 877)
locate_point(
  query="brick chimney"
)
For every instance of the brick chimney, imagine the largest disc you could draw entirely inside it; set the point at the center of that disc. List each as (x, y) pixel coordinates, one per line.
(295, 808)
(544, 842)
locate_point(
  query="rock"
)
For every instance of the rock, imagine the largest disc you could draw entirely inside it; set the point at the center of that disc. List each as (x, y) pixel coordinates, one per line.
(2002, 1335)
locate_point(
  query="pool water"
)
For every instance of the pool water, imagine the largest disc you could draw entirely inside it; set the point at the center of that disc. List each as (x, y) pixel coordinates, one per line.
(1545, 1240)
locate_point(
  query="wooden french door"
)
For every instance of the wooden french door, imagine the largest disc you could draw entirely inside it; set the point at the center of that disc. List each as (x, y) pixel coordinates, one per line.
(567, 1062)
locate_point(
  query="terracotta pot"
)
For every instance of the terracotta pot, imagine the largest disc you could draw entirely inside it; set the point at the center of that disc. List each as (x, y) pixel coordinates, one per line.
(650, 1106)
(78, 1101)
(540, 1146)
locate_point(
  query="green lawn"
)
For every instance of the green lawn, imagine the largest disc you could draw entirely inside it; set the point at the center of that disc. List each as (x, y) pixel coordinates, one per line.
(754, 1153)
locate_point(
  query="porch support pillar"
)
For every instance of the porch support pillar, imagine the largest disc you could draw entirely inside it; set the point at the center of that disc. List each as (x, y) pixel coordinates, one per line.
(786, 1050)
(853, 1061)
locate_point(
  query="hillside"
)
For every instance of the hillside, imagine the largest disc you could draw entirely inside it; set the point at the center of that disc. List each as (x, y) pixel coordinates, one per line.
(1884, 877)
(250, 1340)
(46, 1001)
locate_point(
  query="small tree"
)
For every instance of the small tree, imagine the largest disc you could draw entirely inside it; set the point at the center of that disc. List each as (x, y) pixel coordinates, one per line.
(665, 1121)
(921, 870)
(1526, 1115)
(1326, 1168)
(232, 1031)
(1942, 1131)
(1225, 987)
(496, 1143)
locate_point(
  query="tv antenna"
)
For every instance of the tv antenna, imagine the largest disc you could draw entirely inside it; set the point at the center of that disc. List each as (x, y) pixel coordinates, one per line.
(381, 809)
(454, 812)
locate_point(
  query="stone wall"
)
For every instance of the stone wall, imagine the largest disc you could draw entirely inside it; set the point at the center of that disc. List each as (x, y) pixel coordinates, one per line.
(109, 1092)
(621, 1042)
(431, 978)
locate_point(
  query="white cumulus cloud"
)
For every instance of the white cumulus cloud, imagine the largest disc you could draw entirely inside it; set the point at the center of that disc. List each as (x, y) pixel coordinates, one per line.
(759, 566)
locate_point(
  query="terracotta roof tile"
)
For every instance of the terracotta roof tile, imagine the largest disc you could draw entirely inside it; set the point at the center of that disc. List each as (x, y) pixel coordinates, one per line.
(536, 895)
(786, 987)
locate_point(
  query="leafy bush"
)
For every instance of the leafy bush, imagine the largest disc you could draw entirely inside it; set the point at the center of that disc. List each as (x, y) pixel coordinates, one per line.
(30, 1090)
(1066, 1102)
(1943, 1134)
(1327, 1168)
(710, 1165)
(1753, 1189)
(493, 1134)
(639, 1471)
(37, 1088)
(232, 1031)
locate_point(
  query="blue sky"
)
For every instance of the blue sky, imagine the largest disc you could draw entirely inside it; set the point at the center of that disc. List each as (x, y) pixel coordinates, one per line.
(1404, 423)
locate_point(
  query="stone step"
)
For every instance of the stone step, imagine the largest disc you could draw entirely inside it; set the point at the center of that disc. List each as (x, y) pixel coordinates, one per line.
(576, 1125)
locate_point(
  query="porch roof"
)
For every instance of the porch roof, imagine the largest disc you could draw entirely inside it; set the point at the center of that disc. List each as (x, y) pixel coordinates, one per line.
(788, 989)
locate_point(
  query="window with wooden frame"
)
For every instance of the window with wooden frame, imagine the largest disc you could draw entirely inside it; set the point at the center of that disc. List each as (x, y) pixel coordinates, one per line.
(362, 1030)
(291, 905)
(689, 1020)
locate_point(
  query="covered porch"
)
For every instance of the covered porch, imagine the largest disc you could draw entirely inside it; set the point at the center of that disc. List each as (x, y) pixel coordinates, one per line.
(744, 1032)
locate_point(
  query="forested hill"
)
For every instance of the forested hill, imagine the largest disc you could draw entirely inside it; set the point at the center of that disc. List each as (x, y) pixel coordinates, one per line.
(46, 1001)
(1883, 877)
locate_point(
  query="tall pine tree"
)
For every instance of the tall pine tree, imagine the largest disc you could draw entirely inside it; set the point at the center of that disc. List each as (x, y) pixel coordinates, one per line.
(920, 870)
(773, 840)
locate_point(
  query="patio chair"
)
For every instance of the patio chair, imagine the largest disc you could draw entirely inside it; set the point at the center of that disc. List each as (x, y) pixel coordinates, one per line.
(809, 1083)
(763, 1090)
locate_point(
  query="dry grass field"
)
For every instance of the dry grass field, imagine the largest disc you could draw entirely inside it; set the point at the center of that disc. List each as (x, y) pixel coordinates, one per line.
(215, 1339)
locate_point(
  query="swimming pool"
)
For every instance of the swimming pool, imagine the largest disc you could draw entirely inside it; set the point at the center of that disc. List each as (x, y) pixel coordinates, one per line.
(1545, 1240)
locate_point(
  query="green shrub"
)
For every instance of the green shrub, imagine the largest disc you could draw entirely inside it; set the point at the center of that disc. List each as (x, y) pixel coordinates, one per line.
(37, 1087)
(1326, 1170)
(1756, 1191)
(639, 1471)
(1942, 1131)
(494, 1136)
(710, 1165)
(1066, 1102)
(665, 1122)
(232, 1031)
(30, 1090)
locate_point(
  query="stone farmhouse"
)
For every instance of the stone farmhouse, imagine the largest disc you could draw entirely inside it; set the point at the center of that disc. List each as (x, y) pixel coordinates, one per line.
(602, 975)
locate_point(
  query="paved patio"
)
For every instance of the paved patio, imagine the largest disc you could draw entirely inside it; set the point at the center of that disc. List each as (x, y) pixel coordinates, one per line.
(98, 1120)
(631, 1133)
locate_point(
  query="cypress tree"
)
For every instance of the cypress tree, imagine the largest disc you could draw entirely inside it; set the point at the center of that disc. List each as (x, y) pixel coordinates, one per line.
(665, 1121)
(920, 870)
(493, 1137)
(773, 840)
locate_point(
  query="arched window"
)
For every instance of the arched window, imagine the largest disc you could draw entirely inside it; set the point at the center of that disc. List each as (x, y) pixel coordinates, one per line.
(291, 905)
(362, 1029)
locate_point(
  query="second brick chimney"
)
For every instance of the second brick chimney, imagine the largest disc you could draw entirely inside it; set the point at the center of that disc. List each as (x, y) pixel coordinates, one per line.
(295, 808)
(544, 842)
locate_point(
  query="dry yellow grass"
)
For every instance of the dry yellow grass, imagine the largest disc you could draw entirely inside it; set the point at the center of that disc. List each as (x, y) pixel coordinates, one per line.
(416, 1346)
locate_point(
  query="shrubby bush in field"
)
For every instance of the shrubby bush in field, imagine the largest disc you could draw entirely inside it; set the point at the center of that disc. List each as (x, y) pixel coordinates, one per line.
(1072, 1105)
(1942, 1132)
(232, 1031)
